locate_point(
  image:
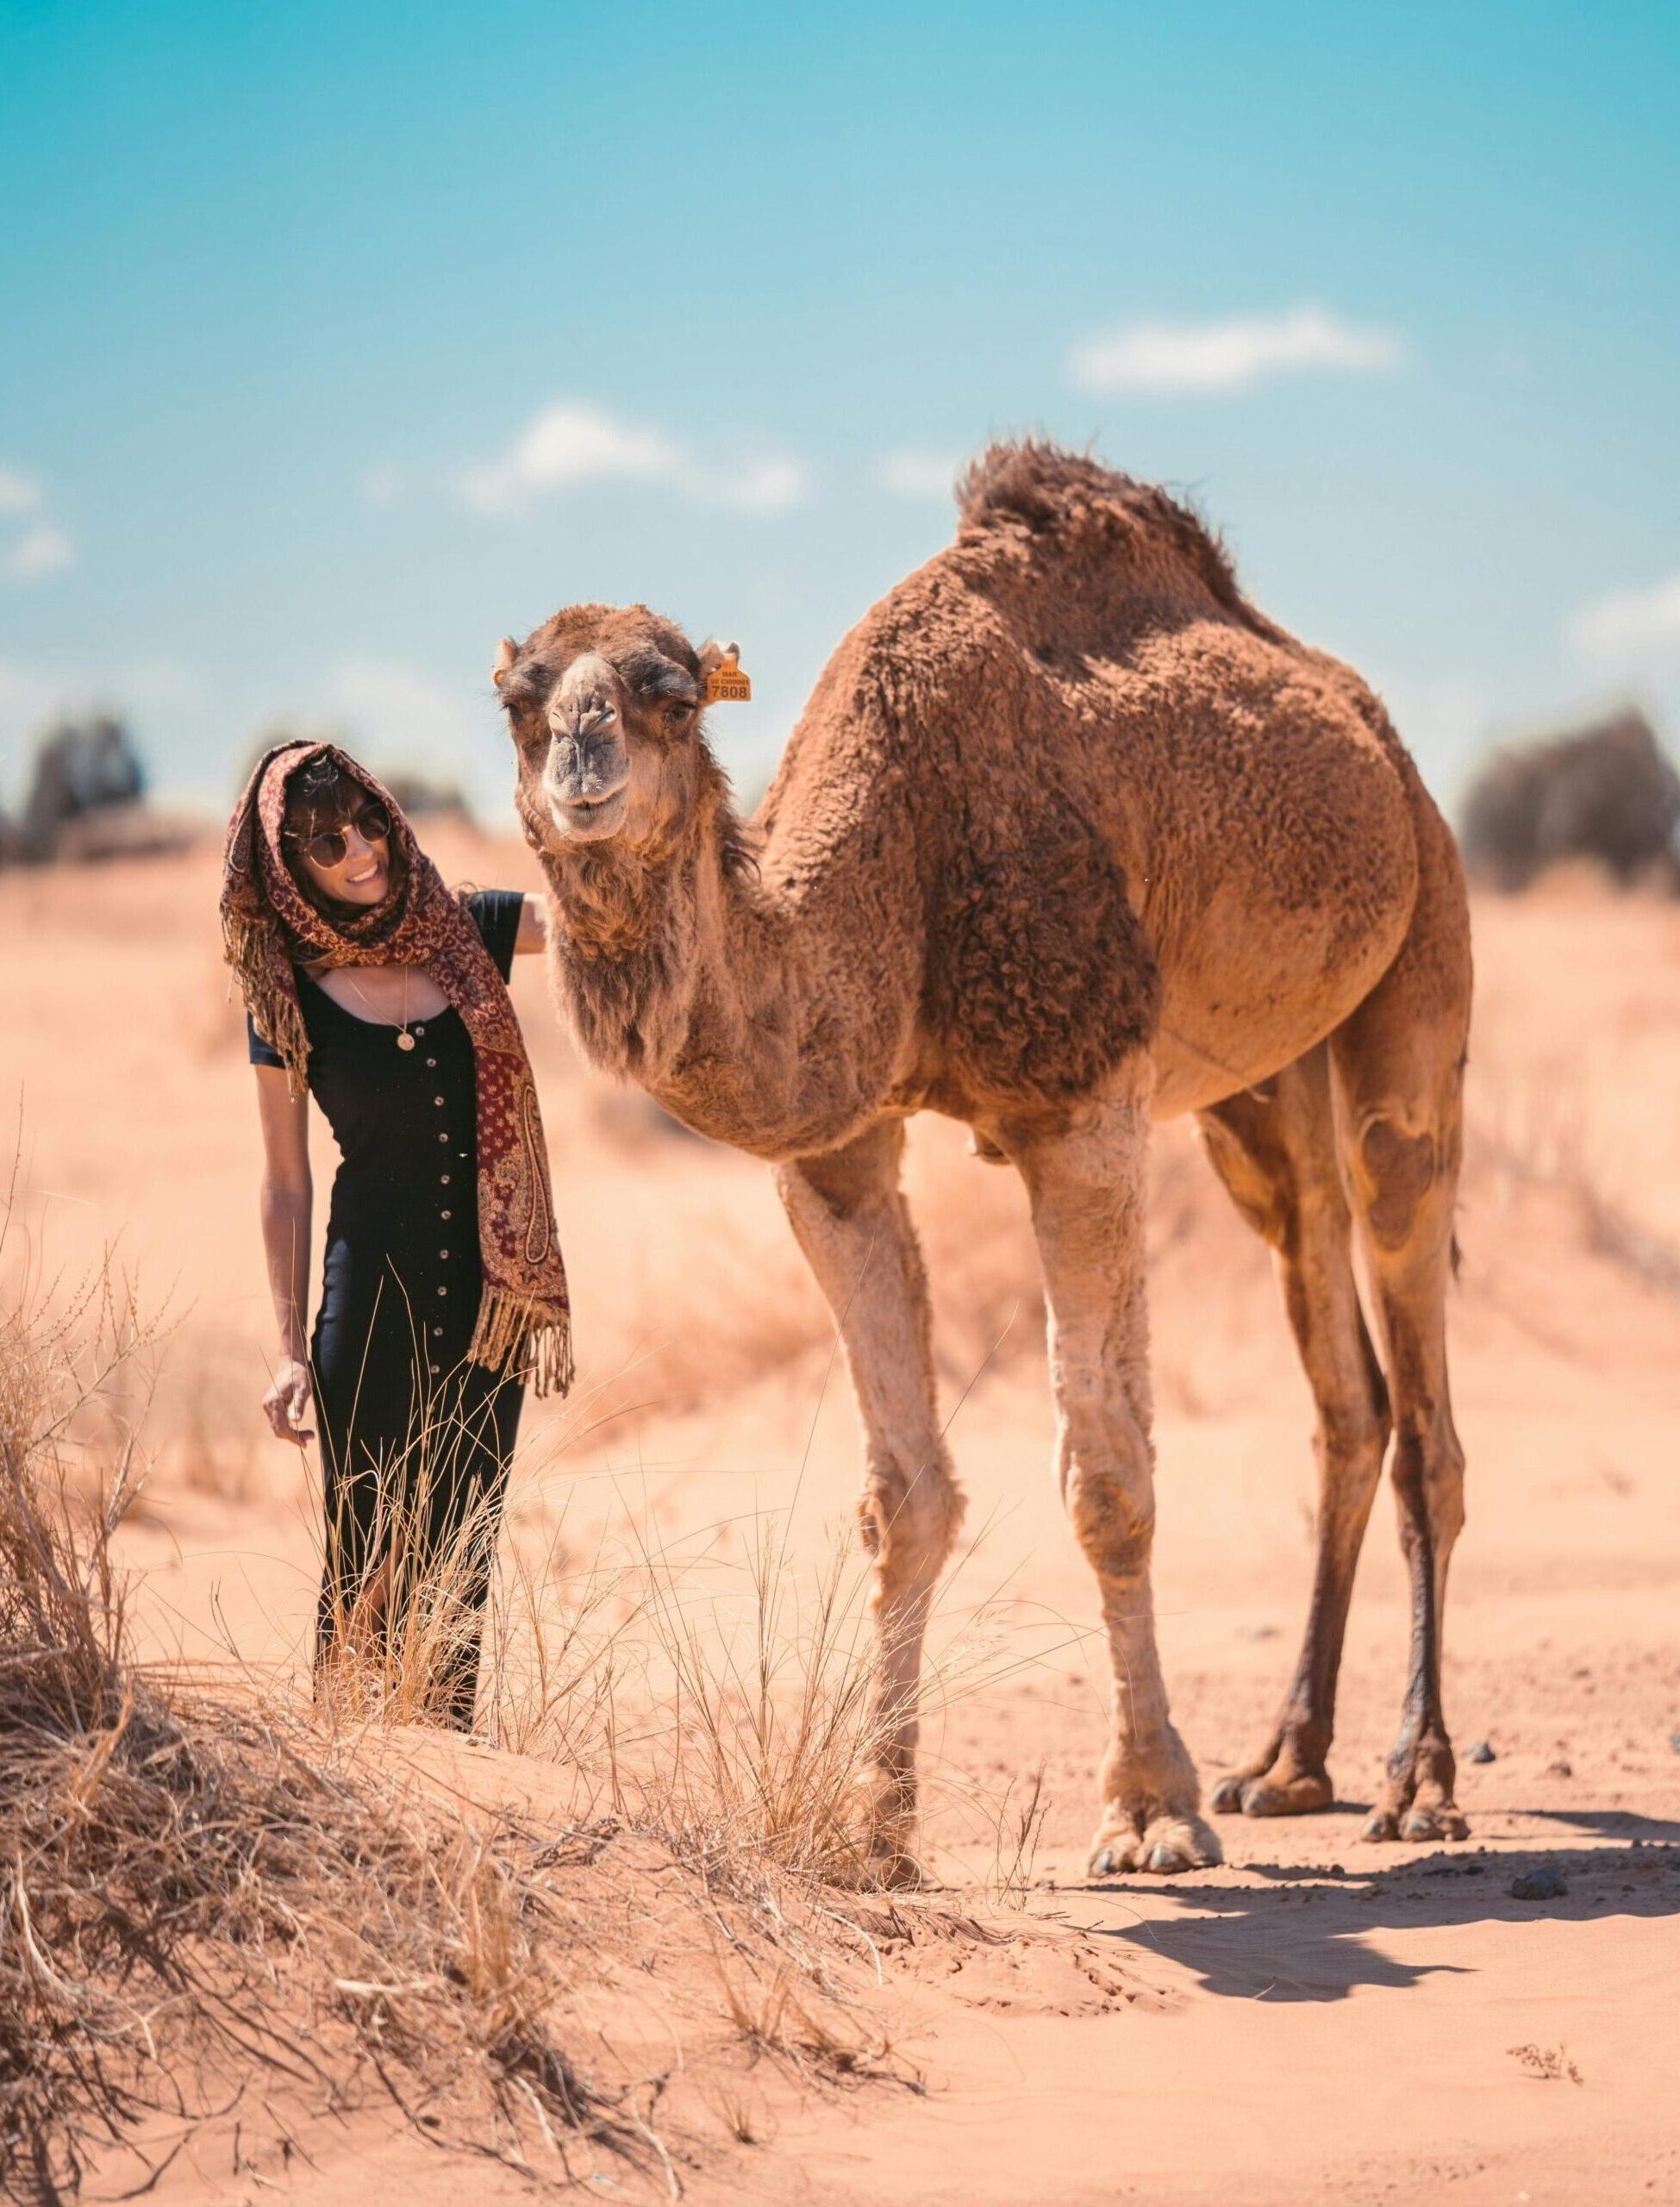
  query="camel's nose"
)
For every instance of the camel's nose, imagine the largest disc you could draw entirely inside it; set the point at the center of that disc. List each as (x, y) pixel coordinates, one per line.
(582, 769)
(583, 720)
(586, 753)
(585, 698)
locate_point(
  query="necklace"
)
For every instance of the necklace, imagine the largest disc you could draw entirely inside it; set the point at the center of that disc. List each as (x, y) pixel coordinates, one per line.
(404, 1039)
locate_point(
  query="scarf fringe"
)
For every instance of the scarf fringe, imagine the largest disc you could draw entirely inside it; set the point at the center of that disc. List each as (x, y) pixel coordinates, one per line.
(275, 1011)
(525, 1339)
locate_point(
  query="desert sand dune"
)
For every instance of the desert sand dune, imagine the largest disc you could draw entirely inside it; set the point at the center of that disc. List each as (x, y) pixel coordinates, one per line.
(1317, 2019)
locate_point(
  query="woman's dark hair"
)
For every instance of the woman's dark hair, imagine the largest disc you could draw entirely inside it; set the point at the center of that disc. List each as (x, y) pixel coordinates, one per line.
(321, 797)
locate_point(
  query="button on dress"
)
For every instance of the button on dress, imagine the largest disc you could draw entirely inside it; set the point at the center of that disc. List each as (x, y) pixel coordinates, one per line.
(394, 1389)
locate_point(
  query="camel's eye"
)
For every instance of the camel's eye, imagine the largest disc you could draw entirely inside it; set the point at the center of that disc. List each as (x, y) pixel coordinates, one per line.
(528, 726)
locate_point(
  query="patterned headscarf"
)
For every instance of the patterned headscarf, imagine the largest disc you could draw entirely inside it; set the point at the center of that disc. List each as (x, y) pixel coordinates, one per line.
(524, 1325)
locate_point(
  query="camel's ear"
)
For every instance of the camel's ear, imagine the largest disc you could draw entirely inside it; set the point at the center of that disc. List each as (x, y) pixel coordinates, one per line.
(720, 672)
(506, 652)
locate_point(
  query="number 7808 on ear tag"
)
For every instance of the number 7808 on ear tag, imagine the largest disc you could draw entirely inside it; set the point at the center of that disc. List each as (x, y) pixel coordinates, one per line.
(726, 682)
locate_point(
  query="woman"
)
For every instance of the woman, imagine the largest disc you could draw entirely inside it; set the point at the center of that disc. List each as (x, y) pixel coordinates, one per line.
(370, 986)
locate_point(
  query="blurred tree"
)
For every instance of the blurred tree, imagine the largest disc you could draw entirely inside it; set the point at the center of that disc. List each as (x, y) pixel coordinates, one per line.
(80, 767)
(1605, 791)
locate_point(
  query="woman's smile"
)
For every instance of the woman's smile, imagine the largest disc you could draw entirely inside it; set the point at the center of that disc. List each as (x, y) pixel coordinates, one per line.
(361, 876)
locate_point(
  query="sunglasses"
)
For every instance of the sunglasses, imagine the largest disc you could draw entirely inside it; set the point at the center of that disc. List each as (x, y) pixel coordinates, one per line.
(371, 823)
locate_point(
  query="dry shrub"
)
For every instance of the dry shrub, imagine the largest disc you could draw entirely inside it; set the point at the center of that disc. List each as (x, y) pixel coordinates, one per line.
(201, 1888)
(753, 1715)
(1547, 2065)
(723, 1703)
(191, 1888)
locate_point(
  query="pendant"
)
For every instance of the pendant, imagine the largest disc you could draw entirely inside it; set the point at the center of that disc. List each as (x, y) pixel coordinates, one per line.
(404, 1039)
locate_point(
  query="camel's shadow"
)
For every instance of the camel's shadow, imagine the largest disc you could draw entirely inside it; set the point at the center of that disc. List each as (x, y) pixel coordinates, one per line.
(1303, 1937)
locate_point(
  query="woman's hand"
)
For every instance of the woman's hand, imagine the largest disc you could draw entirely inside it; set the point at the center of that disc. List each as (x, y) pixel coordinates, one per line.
(287, 1402)
(533, 926)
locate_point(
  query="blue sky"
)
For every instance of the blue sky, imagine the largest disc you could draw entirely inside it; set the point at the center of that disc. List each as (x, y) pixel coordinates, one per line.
(336, 342)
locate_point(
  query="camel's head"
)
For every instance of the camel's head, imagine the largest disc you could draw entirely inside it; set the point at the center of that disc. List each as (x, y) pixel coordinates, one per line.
(604, 704)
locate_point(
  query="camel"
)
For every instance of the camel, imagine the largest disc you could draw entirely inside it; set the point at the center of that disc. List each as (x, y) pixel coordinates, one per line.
(1070, 838)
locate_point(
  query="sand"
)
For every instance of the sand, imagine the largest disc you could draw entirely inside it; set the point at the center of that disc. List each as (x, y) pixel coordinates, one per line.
(1318, 2019)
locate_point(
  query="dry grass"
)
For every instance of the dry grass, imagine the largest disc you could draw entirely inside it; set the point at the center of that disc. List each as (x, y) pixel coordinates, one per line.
(718, 1692)
(204, 1887)
(722, 1702)
(191, 1890)
(1546, 2065)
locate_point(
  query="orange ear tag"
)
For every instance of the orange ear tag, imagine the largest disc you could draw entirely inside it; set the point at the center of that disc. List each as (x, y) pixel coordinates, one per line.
(727, 683)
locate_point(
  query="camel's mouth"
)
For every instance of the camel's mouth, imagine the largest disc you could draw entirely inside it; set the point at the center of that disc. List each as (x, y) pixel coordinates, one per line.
(585, 819)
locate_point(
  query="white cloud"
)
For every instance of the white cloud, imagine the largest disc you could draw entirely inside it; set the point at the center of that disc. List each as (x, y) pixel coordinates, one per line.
(766, 486)
(570, 443)
(912, 474)
(40, 551)
(38, 547)
(19, 494)
(1630, 624)
(1214, 356)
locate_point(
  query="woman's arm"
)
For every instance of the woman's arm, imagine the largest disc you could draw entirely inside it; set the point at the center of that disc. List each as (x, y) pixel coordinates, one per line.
(533, 926)
(287, 1202)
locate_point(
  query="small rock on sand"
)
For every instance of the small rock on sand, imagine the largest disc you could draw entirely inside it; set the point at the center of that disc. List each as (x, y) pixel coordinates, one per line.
(1482, 1753)
(1539, 1884)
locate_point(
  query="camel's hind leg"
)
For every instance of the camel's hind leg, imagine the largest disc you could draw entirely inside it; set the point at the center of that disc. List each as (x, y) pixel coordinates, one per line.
(1398, 1068)
(852, 1221)
(1087, 1185)
(1276, 1154)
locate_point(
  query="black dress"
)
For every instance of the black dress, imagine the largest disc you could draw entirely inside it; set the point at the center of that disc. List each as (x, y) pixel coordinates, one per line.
(410, 1428)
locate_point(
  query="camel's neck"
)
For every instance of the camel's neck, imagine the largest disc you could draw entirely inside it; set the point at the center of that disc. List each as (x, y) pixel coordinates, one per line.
(752, 1013)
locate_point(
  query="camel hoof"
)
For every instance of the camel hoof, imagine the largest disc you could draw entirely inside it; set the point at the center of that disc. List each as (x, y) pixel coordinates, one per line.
(1294, 1797)
(1380, 1825)
(1170, 1845)
(1173, 1844)
(1442, 1822)
(1309, 1789)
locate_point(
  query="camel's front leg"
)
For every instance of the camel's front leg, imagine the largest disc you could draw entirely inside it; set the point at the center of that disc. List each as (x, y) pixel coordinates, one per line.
(853, 1223)
(1087, 1185)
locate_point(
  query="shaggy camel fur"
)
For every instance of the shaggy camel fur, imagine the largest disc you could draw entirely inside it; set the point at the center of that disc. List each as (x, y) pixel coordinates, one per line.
(1069, 837)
